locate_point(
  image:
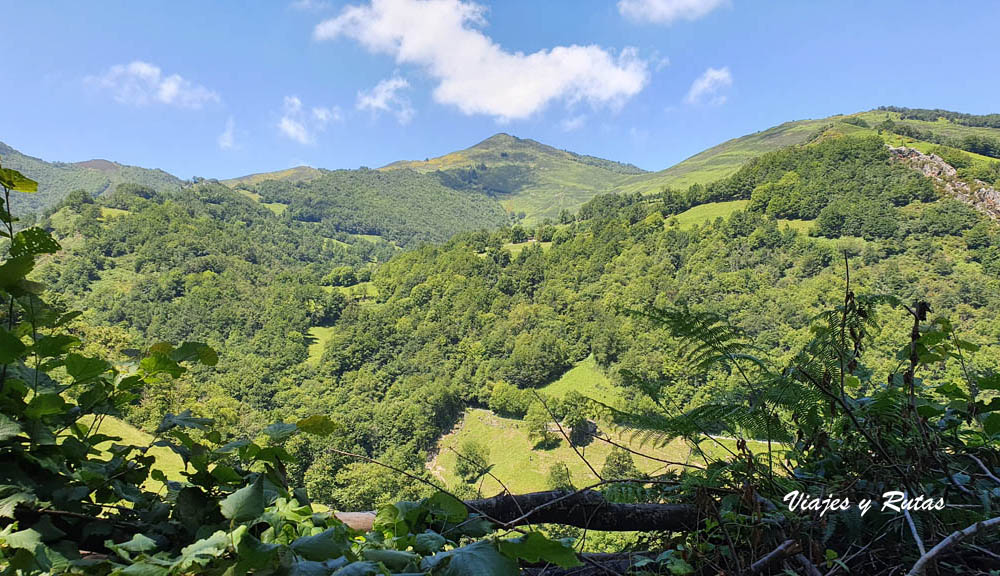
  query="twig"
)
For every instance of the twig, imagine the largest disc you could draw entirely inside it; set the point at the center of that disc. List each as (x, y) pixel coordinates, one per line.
(644, 455)
(954, 538)
(985, 470)
(783, 550)
(410, 476)
(486, 471)
(566, 436)
(808, 566)
(913, 530)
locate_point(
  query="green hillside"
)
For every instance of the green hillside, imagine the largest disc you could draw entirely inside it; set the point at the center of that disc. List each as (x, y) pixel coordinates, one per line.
(722, 160)
(296, 174)
(402, 206)
(57, 179)
(526, 176)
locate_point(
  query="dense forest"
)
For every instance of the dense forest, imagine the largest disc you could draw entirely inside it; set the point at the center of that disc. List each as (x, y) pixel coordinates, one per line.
(839, 309)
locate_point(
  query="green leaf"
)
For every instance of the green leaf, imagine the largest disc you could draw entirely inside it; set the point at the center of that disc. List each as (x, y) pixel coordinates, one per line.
(138, 543)
(429, 543)
(395, 560)
(44, 405)
(680, 567)
(54, 345)
(25, 539)
(359, 569)
(317, 424)
(328, 544)
(991, 424)
(156, 363)
(990, 382)
(32, 241)
(191, 351)
(10, 501)
(480, 558)
(246, 503)
(535, 547)
(446, 505)
(308, 568)
(184, 420)
(82, 368)
(203, 551)
(14, 269)
(16, 181)
(255, 554)
(280, 431)
(143, 569)
(11, 347)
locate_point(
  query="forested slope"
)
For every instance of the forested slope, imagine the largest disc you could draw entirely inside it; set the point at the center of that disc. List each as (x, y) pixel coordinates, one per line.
(57, 179)
(453, 322)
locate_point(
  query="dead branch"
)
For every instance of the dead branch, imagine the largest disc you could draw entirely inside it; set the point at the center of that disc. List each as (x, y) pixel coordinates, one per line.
(785, 549)
(954, 538)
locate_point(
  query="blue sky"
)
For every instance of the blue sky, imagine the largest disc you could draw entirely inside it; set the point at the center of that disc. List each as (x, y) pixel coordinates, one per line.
(224, 88)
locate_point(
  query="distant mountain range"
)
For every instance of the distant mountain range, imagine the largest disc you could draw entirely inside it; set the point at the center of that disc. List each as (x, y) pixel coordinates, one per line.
(533, 181)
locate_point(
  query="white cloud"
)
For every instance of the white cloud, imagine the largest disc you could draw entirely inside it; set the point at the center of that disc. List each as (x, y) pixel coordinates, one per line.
(141, 83)
(574, 123)
(476, 74)
(228, 137)
(707, 87)
(302, 126)
(385, 97)
(666, 11)
(309, 5)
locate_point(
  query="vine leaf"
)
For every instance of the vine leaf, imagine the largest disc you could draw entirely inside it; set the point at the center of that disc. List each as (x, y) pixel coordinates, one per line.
(537, 548)
(481, 558)
(246, 503)
(16, 181)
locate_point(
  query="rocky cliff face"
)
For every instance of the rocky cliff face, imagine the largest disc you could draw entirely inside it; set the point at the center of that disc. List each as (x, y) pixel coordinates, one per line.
(978, 194)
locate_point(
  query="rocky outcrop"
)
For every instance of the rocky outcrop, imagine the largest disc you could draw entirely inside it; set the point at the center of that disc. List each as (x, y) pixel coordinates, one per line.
(976, 193)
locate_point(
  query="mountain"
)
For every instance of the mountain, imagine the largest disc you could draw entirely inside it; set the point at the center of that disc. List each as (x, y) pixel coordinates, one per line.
(525, 175)
(296, 174)
(57, 179)
(402, 206)
(535, 181)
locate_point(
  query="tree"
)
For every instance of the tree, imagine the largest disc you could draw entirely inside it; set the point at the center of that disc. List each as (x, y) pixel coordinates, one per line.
(559, 478)
(473, 462)
(537, 421)
(619, 465)
(518, 235)
(575, 419)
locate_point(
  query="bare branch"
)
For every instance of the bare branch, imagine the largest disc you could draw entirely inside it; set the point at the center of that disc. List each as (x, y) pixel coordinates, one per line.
(921, 565)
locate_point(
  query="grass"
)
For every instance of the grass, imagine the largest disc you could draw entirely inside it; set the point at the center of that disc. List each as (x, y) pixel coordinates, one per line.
(723, 160)
(523, 469)
(802, 226)
(587, 379)
(360, 291)
(296, 174)
(166, 460)
(107, 213)
(516, 249)
(276, 207)
(518, 465)
(318, 337)
(706, 212)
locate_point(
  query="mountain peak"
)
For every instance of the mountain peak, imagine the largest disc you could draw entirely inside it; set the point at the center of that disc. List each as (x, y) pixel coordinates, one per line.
(99, 164)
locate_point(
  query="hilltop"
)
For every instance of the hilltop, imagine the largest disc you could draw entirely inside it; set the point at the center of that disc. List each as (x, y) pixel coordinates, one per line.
(524, 175)
(57, 179)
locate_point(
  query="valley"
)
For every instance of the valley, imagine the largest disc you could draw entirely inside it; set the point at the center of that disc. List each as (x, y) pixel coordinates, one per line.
(474, 307)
